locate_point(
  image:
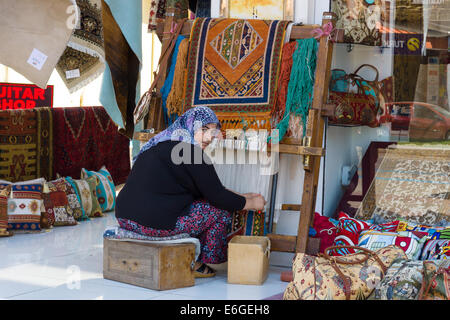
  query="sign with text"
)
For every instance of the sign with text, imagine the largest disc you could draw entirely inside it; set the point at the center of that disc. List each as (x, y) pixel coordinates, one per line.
(24, 96)
(408, 44)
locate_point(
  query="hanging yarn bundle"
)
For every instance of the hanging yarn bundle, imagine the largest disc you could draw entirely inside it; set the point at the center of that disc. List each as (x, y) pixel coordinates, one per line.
(301, 84)
(175, 98)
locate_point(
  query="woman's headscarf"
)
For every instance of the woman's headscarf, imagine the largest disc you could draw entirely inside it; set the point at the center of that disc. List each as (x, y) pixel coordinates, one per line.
(183, 129)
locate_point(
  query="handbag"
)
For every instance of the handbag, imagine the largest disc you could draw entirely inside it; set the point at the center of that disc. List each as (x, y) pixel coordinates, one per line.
(350, 277)
(360, 108)
(145, 102)
(436, 280)
(360, 19)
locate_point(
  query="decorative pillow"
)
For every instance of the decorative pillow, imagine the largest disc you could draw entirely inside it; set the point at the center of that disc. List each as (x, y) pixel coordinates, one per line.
(402, 281)
(86, 192)
(72, 198)
(24, 208)
(47, 216)
(349, 230)
(432, 232)
(407, 241)
(5, 191)
(325, 229)
(436, 284)
(436, 250)
(57, 204)
(106, 191)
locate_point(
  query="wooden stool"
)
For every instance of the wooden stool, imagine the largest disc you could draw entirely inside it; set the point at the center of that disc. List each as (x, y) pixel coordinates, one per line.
(158, 266)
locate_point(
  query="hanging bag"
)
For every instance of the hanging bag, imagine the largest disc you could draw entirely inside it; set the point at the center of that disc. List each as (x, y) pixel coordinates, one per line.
(150, 97)
(349, 277)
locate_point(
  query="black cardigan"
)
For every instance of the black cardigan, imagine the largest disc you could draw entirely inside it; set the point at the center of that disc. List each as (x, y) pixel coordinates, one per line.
(158, 191)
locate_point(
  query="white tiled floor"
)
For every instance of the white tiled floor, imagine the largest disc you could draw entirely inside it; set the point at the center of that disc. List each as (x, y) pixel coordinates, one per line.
(67, 264)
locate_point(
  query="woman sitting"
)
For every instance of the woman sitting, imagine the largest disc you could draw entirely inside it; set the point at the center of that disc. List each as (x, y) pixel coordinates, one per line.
(173, 188)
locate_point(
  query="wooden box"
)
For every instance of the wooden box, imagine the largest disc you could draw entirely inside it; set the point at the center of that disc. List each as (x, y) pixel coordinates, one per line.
(248, 259)
(149, 265)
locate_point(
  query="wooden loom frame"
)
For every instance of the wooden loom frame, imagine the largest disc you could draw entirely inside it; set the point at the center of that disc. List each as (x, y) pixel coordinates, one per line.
(311, 148)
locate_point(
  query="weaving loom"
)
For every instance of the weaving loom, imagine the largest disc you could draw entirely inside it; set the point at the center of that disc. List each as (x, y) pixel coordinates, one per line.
(311, 147)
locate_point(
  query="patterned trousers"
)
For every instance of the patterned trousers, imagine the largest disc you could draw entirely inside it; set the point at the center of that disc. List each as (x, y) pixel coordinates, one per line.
(204, 221)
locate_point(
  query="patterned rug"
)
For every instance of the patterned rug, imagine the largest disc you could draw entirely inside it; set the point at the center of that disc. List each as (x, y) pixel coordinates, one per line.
(84, 58)
(87, 138)
(233, 68)
(25, 144)
(412, 183)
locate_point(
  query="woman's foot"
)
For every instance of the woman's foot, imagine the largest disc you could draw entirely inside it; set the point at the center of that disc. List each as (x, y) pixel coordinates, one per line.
(203, 271)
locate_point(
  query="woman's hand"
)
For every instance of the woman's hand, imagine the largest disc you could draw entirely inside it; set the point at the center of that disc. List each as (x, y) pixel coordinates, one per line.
(256, 202)
(250, 195)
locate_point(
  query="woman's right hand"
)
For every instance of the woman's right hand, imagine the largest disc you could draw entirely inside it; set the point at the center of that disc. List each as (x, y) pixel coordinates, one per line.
(256, 202)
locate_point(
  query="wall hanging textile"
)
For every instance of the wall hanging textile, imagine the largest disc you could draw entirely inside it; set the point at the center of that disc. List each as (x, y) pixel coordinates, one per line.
(122, 31)
(361, 20)
(157, 12)
(283, 81)
(233, 68)
(174, 87)
(86, 137)
(301, 84)
(5, 191)
(351, 277)
(402, 281)
(174, 103)
(436, 284)
(26, 144)
(34, 48)
(84, 58)
(413, 184)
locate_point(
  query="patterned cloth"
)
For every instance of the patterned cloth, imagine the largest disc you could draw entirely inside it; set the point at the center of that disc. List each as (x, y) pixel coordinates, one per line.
(233, 68)
(402, 281)
(26, 144)
(57, 205)
(84, 56)
(5, 191)
(247, 223)
(204, 222)
(439, 288)
(86, 192)
(184, 128)
(118, 233)
(87, 138)
(436, 250)
(413, 184)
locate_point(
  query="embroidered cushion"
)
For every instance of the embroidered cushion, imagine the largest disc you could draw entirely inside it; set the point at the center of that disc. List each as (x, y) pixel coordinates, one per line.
(72, 198)
(402, 281)
(106, 191)
(5, 191)
(409, 242)
(86, 192)
(57, 205)
(24, 207)
(325, 229)
(349, 229)
(432, 232)
(436, 250)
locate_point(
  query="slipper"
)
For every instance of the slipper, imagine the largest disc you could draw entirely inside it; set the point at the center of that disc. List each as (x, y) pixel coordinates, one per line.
(200, 272)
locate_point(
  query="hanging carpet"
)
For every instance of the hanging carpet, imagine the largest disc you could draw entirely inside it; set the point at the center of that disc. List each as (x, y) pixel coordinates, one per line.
(87, 138)
(233, 68)
(83, 59)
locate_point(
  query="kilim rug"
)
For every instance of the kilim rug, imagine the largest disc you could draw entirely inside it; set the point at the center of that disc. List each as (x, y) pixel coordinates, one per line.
(25, 144)
(84, 57)
(87, 138)
(412, 183)
(233, 68)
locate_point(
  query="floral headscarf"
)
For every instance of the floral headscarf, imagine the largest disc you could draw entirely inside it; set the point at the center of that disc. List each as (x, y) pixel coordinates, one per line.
(183, 129)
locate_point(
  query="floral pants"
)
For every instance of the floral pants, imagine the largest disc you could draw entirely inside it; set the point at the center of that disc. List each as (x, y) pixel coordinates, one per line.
(204, 221)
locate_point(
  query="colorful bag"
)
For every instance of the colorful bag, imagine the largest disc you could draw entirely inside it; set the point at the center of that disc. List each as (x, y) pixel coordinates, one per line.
(351, 277)
(360, 19)
(436, 250)
(436, 281)
(403, 281)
